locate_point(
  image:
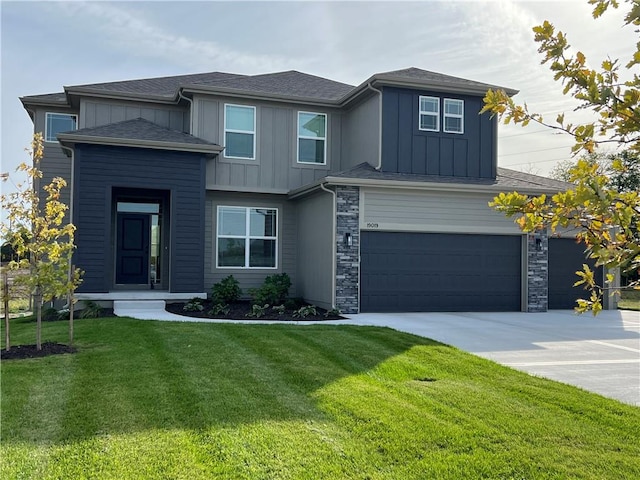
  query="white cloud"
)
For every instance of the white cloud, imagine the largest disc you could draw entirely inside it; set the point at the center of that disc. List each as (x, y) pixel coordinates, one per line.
(124, 28)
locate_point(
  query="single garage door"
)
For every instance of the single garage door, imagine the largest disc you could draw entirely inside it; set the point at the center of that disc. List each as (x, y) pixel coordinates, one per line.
(565, 258)
(433, 272)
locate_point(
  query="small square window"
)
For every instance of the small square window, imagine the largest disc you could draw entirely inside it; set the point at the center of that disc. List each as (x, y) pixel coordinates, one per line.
(59, 122)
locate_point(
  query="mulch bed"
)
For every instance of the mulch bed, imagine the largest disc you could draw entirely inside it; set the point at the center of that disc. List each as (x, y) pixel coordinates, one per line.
(29, 351)
(239, 311)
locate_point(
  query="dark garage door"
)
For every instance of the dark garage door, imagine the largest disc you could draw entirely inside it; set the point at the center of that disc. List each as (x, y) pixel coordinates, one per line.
(430, 272)
(565, 258)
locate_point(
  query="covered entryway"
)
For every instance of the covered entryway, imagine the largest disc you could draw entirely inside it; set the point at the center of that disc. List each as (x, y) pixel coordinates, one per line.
(429, 272)
(141, 235)
(566, 256)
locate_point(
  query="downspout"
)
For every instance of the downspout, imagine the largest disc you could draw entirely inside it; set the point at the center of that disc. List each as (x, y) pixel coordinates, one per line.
(379, 167)
(190, 110)
(334, 248)
(71, 196)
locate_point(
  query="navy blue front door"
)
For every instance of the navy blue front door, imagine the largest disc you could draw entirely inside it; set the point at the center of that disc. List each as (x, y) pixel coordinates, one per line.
(132, 255)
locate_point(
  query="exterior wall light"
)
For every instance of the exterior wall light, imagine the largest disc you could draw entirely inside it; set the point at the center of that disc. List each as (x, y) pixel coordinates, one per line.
(348, 240)
(538, 244)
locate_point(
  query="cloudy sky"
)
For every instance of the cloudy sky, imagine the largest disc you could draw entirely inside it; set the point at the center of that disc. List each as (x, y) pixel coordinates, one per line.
(47, 45)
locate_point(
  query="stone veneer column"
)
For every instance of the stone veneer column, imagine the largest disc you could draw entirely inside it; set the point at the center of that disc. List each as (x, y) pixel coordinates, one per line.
(537, 271)
(347, 257)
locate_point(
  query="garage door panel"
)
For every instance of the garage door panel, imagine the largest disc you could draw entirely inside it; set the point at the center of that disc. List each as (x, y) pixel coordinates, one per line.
(565, 258)
(439, 272)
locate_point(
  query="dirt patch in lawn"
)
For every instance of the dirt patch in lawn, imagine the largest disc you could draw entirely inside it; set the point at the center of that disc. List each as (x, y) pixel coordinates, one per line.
(30, 351)
(243, 310)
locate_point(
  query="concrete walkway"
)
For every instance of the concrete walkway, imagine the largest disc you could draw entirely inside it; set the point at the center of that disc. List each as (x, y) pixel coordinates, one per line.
(600, 354)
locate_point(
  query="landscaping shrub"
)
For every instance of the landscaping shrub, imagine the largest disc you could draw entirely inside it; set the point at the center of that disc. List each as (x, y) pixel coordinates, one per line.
(226, 290)
(193, 305)
(49, 314)
(274, 290)
(91, 310)
(304, 312)
(258, 311)
(220, 309)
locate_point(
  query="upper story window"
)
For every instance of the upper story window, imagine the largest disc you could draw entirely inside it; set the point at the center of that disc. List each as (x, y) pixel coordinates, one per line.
(312, 138)
(247, 237)
(453, 115)
(429, 114)
(58, 122)
(239, 131)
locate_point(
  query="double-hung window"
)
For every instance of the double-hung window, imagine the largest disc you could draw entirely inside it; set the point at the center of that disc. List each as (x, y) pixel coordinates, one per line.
(239, 131)
(312, 138)
(58, 122)
(453, 115)
(247, 237)
(429, 116)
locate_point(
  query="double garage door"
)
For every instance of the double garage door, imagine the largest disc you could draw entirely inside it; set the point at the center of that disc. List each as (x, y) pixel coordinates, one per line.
(431, 272)
(437, 272)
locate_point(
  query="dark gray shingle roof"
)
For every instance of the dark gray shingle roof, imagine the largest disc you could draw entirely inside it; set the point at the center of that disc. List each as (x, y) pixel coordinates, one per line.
(506, 179)
(52, 98)
(433, 78)
(291, 83)
(161, 86)
(138, 129)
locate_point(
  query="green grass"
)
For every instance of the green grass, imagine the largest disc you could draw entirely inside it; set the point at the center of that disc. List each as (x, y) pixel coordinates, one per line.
(629, 300)
(148, 399)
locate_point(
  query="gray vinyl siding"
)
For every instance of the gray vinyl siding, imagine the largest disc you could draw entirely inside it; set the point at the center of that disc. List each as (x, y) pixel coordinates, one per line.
(94, 113)
(443, 212)
(275, 168)
(98, 170)
(315, 241)
(360, 133)
(407, 149)
(287, 234)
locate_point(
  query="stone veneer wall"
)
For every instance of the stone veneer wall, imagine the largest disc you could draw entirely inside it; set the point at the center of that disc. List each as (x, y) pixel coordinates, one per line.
(347, 257)
(537, 272)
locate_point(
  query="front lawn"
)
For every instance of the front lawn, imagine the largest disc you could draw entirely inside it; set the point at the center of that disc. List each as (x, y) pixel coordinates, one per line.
(146, 399)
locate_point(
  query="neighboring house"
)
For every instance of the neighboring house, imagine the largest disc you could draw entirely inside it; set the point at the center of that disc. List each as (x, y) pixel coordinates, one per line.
(372, 198)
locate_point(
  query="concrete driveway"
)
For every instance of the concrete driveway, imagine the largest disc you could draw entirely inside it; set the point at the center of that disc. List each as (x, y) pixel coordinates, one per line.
(600, 354)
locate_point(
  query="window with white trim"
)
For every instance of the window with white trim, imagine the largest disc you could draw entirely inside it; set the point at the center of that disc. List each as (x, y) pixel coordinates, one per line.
(312, 138)
(247, 237)
(429, 116)
(58, 122)
(239, 131)
(453, 116)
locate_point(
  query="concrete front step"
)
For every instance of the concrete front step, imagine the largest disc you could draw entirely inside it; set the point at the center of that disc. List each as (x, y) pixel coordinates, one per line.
(129, 305)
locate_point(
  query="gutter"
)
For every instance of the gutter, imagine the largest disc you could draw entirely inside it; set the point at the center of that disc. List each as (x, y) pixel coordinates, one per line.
(136, 143)
(334, 246)
(72, 156)
(409, 185)
(180, 95)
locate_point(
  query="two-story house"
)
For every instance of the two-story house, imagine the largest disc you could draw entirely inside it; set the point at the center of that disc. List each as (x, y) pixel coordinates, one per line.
(372, 198)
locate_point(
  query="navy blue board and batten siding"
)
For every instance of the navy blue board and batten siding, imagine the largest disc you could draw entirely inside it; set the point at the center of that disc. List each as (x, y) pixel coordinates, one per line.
(100, 169)
(407, 149)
